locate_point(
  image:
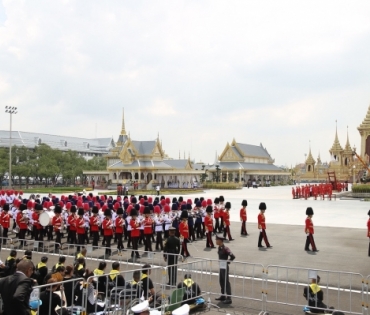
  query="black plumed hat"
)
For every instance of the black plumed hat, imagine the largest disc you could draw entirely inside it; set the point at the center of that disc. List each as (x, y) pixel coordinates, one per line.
(184, 214)
(209, 209)
(244, 203)
(262, 206)
(108, 212)
(133, 212)
(216, 201)
(80, 211)
(95, 209)
(146, 210)
(221, 199)
(119, 211)
(181, 199)
(58, 209)
(228, 205)
(73, 209)
(309, 211)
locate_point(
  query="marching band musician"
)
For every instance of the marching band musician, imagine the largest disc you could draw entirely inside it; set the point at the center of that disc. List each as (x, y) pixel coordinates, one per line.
(184, 233)
(108, 230)
(94, 225)
(216, 215)
(14, 213)
(208, 221)
(86, 218)
(128, 225)
(190, 222)
(167, 219)
(72, 221)
(5, 222)
(37, 227)
(203, 214)
(135, 233)
(158, 221)
(65, 215)
(226, 217)
(120, 223)
(22, 222)
(262, 226)
(147, 224)
(243, 217)
(49, 229)
(80, 227)
(198, 219)
(57, 223)
(30, 206)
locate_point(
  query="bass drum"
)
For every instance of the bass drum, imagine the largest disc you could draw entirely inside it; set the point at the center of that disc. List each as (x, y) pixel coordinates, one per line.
(46, 217)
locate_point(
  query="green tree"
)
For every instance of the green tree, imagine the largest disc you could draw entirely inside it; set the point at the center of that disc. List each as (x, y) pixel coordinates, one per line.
(4, 164)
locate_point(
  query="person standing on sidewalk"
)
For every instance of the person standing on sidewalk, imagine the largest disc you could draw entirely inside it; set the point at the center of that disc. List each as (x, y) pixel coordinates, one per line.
(223, 255)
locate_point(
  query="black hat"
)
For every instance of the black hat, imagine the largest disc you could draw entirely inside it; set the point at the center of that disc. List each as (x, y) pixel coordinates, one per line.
(58, 209)
(209, 209)
(6, 207)
(22, 207)
(262, 206)
(216, 201)
(119, 211)
(133, 200)
(188, 206)
(196, 200)
(221, 199)
(309, 211)
(174, 206)
(80, 211)
(146, 210)
(228, 205)
(174, 199)
(95, 209)
(220, 237)
(163, 197)
(201, 199)
(38, 207)
(368, 213)
(184, 215)
(133, 212)
(244, 203)
(151, 207)
(108, 213)
(73, 209)
(180, 199)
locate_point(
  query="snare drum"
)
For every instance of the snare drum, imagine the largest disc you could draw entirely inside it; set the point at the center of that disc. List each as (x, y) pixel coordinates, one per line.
(46, 218)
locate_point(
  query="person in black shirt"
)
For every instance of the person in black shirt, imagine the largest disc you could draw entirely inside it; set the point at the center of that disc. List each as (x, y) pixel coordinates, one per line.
(10, 264)
(147, 283)
(223, 254)
(192, 289)
(41, 270)
(171, 251)
(50, 300)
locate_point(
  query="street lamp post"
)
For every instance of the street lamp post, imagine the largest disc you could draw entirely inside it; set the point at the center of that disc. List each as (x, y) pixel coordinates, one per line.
(10, 110)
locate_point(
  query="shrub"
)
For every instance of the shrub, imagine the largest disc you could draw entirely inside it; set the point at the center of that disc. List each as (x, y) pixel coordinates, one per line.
(221, 186)
(361, 188)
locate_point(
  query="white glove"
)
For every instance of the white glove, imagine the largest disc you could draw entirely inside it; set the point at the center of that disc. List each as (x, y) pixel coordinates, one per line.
(260, 230)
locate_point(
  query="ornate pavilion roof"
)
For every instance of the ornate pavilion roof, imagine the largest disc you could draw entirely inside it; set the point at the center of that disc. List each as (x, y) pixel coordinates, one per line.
(336, 147)
(366, 122)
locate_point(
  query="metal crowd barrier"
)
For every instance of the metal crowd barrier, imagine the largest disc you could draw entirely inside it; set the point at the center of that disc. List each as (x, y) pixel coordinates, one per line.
(29, 244)
(284, 286)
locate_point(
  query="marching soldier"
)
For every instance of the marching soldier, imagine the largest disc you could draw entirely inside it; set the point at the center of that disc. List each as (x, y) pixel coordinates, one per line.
(135, 233)
(172, 249)
(216, 214)
(108, 230)
(94, 225)
(262, 226)
(72, 225)
(208, 221)
(120, 223)
(148, 230)
(223, 255)
(184, 233)
(226, 219)
(243, 217)
(57, 224)
(158, 223)
(309, 231)
(221, 208)
(5, 222)
(80, 225)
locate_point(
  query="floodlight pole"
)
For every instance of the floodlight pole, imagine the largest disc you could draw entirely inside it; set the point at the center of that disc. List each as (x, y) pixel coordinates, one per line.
(10, 110)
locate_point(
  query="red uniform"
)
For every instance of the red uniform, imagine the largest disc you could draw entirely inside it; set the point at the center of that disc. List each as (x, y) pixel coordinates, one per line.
(226, 216)
(57, 223)
(94, 226)
(119, 225)
(5, 220)
(368, 228)
(80, 223)
(72, 222)
(243, 214)
(243, 218)
(22, 224)
(208, 222)
(36, 223)
(148, 226)
(261, 221)
(107, 227)
(135, 228)
(309, 230)
(184, 229)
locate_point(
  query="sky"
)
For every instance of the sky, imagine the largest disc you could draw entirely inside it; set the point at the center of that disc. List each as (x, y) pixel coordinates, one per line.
(199, 73)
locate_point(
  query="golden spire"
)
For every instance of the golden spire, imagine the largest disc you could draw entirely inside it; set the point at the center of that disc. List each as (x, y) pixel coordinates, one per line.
(336, 147)
(348, 148)
(310, 159)
(366, 122)
(123, 130)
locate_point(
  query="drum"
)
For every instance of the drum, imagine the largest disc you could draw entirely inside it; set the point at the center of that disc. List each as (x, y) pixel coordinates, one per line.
(46, 217)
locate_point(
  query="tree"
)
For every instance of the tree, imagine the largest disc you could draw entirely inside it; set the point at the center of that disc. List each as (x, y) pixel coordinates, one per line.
(4, 164)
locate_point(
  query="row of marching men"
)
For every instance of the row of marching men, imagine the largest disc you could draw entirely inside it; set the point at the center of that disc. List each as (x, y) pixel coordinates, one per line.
(100, 215)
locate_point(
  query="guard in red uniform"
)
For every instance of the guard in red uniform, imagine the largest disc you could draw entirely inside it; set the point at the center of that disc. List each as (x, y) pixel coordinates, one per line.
(94, 225)
(72, 225)
(37, 227)
(120, 223)
(148, 230)
(22, 221)
(309, 231)
(135, 233)
(221, 211)
(208, 222)
(243, 218)
(57, 224)
(262, 226)
(108, 231)
(5, 221)
(80, 227)
(184, 233)
(368, 230)
(226, 217)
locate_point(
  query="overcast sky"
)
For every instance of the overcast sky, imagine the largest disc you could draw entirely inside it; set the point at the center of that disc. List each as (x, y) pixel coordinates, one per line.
(198, 72)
